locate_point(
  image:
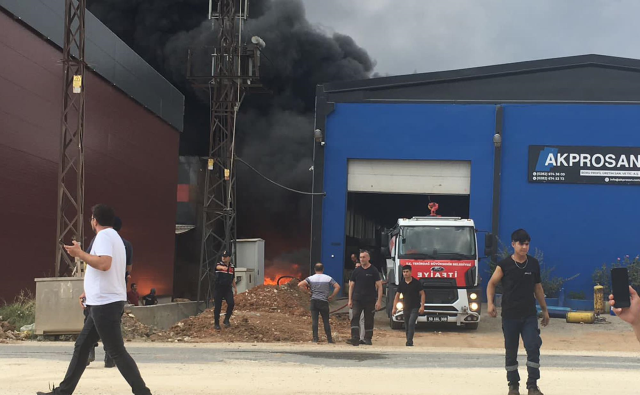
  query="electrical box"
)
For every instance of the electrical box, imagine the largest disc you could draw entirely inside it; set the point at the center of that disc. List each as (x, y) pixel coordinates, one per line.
(250, 255)
(58, 310)
(245, 279)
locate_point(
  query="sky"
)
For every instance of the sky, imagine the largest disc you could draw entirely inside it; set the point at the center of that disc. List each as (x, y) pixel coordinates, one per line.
(406, 36)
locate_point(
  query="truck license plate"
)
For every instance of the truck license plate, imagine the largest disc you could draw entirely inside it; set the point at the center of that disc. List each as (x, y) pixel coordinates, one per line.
(436, 318)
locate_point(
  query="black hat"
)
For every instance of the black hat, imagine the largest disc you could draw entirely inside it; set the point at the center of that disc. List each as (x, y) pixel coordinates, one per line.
(225, 254)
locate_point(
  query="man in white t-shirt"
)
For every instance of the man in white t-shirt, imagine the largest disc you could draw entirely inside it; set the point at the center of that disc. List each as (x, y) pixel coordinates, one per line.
(106, 294)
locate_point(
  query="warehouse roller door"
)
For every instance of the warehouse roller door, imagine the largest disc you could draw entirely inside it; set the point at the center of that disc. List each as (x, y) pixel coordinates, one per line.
(409, 176)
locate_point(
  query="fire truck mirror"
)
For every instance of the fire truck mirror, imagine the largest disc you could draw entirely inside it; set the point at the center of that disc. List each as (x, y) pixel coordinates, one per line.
(384, 242)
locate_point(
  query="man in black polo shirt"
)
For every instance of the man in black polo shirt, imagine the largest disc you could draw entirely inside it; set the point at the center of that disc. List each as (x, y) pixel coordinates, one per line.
(365, 294)
(520, 276)
(413, 298)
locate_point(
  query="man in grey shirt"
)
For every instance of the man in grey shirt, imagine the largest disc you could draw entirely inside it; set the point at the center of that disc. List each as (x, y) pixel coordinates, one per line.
(323, 289)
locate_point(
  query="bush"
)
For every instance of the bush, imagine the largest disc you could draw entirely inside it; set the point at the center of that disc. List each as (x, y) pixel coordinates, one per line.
(602, 276)
(577, 295)
(21, 312)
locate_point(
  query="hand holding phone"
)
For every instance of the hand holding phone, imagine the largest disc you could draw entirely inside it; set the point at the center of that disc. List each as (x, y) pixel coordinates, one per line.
(620, 287)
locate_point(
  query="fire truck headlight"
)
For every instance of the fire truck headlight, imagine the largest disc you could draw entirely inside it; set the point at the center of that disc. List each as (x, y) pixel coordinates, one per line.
(399, 306)
(474, 306)
(473, 296)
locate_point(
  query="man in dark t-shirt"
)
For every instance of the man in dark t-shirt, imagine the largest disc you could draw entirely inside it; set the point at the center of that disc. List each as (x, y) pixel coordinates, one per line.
(225, 289)
(151, 299)
(520, 276)
(365, 294)
(413, 299)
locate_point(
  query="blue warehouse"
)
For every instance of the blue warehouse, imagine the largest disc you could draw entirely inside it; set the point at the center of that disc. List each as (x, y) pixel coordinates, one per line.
(552, 146)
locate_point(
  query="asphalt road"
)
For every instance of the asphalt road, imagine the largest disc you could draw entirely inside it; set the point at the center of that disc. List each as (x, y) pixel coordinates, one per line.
(229, 369)
(333, 356)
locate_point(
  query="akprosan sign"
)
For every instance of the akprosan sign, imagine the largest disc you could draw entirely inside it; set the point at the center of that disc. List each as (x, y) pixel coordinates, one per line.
(584, 165)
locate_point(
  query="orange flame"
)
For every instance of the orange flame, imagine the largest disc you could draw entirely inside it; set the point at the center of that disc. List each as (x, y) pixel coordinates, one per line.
(273, 273)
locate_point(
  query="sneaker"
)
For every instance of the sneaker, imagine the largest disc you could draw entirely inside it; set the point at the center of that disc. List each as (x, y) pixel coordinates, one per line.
(534, 391)
(368, 342)
(315, 340)
(353, 342)
(330, 341)
(362, 342)
(409, 344)
(227, 324)
(217, 327)
(514, 390)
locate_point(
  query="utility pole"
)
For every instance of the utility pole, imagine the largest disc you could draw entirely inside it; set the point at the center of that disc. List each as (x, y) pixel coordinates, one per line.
(234, 69)
(71, 165)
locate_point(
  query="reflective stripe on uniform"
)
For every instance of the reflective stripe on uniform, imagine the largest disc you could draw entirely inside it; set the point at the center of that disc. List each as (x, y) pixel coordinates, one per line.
(533, 365)
(511, 368)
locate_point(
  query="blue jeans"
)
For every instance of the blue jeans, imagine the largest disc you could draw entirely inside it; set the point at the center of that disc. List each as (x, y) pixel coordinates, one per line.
(513, 329)
(410, 319)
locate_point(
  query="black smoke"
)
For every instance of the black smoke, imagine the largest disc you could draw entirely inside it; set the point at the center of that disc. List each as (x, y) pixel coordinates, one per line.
(275, 128)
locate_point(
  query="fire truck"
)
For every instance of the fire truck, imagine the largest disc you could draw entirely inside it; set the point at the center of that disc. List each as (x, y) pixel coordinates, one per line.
(443, 253)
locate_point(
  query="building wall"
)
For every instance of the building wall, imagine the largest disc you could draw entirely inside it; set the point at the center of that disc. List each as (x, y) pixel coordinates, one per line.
(577, 227)
(400, 131)
(131, 164)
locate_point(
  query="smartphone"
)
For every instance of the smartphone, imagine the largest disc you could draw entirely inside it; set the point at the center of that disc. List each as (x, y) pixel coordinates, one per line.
(620, 287)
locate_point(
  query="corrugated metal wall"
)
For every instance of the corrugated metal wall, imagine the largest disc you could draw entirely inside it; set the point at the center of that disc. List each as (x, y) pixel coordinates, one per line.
(131, 164)
(107, 55)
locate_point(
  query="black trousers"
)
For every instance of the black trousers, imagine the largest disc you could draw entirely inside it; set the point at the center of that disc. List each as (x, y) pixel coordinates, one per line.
(369, 309)
(410, 320)
(527, 328)
(103, 322)
(219, 294)
(107, 358)
(320, 307)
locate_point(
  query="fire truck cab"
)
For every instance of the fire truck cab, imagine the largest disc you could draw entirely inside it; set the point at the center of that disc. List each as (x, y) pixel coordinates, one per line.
(443, 254)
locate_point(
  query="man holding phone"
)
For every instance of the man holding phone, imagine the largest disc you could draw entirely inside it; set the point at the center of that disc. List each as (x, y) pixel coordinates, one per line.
(520, 276)
(106, 295)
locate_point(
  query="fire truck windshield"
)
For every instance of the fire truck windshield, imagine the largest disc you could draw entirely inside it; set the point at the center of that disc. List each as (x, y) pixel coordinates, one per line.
(438, 242)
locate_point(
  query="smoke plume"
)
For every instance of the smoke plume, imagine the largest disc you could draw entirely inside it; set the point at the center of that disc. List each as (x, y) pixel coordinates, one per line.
(275, 129)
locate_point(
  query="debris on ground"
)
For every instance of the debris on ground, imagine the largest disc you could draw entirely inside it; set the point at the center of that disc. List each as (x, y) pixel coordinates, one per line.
(132, 329)
(8, 332)
(266, 313)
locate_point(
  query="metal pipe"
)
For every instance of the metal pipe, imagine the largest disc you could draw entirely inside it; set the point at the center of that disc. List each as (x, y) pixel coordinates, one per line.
(497, 173)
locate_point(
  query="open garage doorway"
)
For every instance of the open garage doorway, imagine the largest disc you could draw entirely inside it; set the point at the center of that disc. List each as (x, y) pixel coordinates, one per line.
(370, 213)
(381, 191)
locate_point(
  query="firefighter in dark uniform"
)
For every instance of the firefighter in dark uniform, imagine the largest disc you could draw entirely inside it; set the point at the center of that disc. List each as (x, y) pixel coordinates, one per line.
(225, 288)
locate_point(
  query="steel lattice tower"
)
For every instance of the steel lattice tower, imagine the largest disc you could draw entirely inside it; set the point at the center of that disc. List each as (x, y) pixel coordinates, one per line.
(71, 164)
(234, 68)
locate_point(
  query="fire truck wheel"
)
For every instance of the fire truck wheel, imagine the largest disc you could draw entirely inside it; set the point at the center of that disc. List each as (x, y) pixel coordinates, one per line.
(394, 324)
(472, 326)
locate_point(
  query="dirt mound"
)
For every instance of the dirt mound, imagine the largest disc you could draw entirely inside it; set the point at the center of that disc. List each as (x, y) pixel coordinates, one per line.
(287, 298)
(132, 329)
(266, 313)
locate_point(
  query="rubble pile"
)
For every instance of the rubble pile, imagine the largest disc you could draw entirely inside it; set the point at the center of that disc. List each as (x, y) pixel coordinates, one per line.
(132, 329)
(9, 332)
(266, 313)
